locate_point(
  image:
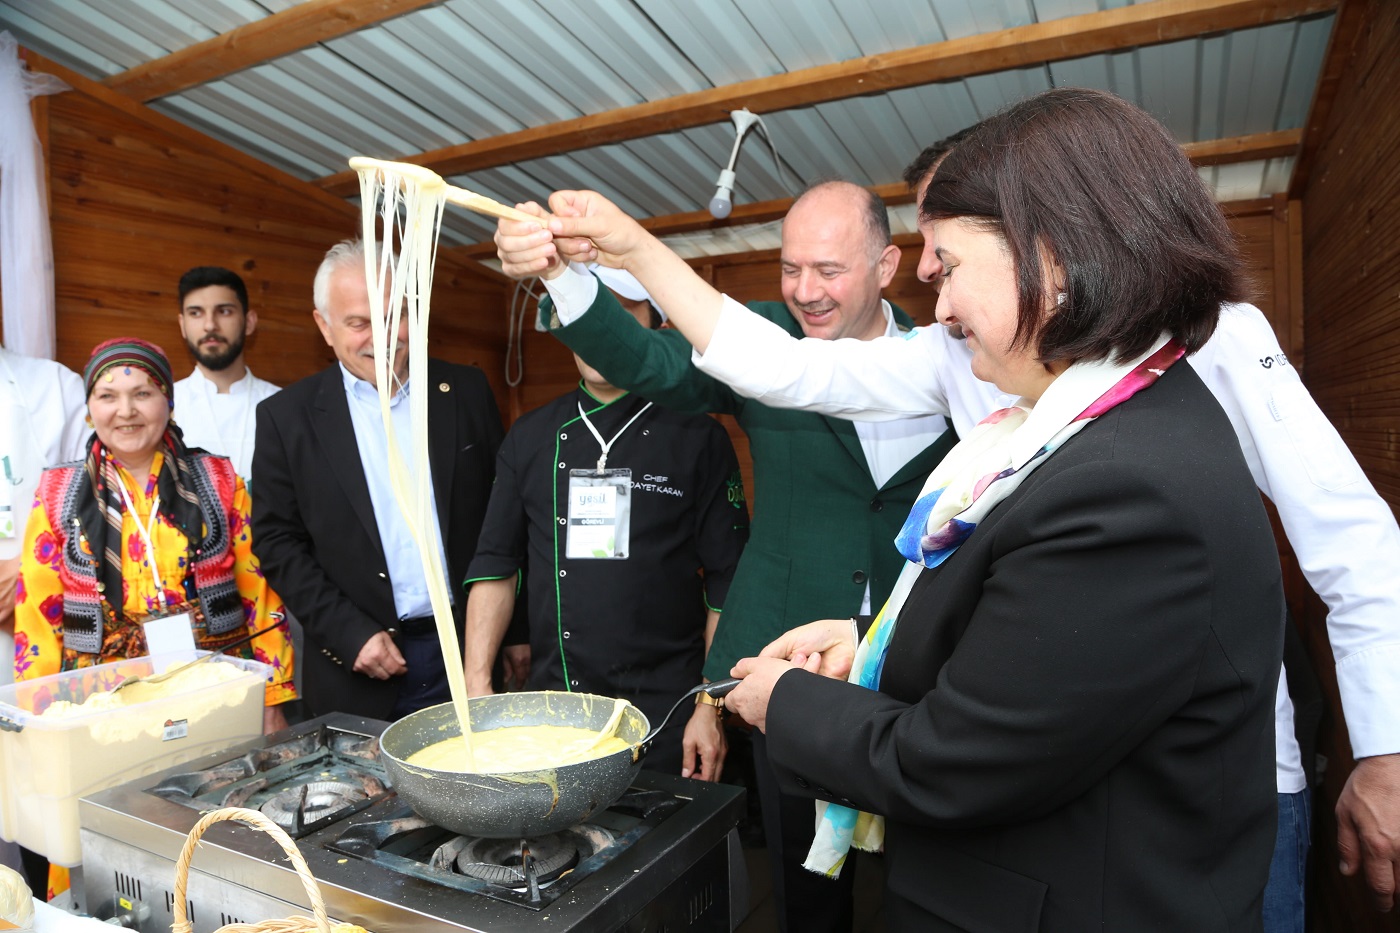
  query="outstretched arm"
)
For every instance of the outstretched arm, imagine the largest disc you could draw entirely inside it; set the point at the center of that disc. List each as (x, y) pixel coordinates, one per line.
(876, 380)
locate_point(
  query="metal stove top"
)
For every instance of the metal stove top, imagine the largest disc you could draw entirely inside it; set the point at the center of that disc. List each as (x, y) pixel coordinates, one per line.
(663, 857)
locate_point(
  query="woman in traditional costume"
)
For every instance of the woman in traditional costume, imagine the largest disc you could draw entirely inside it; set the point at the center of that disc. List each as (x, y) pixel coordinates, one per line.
(142, 530)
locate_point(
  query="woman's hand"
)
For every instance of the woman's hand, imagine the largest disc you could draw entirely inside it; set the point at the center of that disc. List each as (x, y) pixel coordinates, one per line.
(830, 643)
(760, 676)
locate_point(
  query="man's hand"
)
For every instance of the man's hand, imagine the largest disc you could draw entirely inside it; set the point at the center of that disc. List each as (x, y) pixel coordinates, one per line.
(380, 658)
(527, 249)
(515, 666)
(587, 227)
(274, 719)
(1368, 826)
(704, 740)
(760, 676)
(830, 642)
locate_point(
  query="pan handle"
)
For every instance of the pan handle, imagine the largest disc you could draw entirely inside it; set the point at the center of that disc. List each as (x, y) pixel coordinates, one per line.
(716, 689)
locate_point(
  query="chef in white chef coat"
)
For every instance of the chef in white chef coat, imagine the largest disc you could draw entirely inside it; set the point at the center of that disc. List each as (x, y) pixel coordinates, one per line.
(42, 411)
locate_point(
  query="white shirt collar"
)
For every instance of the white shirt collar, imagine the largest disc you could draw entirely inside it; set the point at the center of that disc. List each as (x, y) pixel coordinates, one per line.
(203, 383)
(363, 388)
(891, 328)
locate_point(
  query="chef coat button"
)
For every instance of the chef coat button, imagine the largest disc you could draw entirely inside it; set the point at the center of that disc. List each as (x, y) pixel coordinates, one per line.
(876, 505)
(858, 576)
(566, 634)
(563, 573)
(802, 782)
(561, 464)
(563, 521)
(573, 683)
(444, 387)
(564, 437)
(383, 576)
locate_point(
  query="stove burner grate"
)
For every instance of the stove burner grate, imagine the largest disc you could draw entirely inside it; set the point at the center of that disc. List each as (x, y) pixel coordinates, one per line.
(298, 807)
(504, 861)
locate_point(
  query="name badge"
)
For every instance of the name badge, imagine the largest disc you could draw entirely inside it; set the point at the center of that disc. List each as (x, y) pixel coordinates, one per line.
(169, 633)
(600, 515)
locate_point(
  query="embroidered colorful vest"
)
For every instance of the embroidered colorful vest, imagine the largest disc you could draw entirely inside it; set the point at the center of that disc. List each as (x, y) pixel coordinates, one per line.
(86, 608)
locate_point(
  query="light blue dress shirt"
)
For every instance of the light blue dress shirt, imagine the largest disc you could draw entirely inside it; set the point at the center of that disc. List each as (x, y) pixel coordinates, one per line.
(400, 550)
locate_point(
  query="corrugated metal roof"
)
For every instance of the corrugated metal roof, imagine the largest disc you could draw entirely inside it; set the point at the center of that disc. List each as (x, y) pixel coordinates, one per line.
(466, 70)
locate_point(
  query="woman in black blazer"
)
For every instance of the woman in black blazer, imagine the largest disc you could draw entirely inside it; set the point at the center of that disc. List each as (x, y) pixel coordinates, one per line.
(1062, 720)
(1071, 721)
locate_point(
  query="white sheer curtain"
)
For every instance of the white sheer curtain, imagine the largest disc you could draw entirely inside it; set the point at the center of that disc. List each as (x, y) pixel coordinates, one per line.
(26, 253)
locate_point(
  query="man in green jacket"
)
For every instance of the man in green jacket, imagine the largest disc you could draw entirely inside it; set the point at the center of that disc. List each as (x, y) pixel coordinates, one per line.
(829, 495)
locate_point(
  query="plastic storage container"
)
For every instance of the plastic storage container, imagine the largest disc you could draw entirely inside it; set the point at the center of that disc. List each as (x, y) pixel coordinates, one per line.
(47, 763)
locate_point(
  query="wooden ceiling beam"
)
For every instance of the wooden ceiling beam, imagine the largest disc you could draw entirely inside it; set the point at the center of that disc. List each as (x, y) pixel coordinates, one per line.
(291, 30)
(1253, 148)
(159, 122)
(1352, 19)
(1250, 148)
(1072, 37)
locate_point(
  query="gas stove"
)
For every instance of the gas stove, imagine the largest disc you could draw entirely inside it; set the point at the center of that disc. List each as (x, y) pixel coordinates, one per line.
(664, 857)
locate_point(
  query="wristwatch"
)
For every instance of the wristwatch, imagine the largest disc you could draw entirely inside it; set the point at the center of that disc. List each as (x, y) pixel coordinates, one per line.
(717, 702)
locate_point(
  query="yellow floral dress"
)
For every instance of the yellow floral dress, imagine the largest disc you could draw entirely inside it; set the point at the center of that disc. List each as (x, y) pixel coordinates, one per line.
(39, 649)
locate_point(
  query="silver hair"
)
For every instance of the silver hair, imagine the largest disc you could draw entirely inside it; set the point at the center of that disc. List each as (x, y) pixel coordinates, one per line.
(341, 254)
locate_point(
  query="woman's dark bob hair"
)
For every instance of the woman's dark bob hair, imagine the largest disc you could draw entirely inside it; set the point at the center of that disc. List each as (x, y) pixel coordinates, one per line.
(1088, 181)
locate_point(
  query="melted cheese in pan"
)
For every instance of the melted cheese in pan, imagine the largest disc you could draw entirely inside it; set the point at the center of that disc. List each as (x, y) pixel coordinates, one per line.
(518, 748)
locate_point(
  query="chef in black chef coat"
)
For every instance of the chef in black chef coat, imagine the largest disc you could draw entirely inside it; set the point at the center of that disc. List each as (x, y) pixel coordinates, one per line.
(627, 521)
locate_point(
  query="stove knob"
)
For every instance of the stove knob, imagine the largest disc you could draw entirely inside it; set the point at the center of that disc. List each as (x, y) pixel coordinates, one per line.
(122, 911)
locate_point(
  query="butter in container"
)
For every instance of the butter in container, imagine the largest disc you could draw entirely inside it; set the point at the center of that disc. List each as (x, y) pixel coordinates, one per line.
(68, 735)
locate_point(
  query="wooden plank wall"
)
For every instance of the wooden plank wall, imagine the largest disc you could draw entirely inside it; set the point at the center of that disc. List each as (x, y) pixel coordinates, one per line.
(1267, 228)
(1351, 259)
(137, 199)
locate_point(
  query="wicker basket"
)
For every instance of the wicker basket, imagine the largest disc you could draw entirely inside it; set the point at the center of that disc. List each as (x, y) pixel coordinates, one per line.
(253, 818)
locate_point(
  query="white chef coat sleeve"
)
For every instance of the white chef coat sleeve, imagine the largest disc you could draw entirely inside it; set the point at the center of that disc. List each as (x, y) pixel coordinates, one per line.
(1344, 535)
(573, 292)
(884, 379)
(74, 401)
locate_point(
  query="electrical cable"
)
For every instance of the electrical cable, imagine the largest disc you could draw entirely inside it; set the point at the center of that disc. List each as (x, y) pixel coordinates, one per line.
(744, 120)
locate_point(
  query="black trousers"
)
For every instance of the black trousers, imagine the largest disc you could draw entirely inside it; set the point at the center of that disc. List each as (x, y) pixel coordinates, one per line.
(425, 684)
(806, 902)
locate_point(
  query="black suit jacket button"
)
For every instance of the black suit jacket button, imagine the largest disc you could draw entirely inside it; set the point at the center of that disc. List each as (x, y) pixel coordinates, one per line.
(858, 576)
(802, 782)
(876, 505)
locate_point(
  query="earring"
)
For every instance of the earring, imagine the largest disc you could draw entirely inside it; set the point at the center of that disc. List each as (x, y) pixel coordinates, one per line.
(88, 419)
(1060, 299)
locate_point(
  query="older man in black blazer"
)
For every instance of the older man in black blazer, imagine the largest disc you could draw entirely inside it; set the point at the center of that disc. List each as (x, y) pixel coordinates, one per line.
(325, 526)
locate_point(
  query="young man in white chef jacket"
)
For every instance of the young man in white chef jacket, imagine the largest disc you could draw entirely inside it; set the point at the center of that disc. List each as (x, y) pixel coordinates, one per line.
(216, 405)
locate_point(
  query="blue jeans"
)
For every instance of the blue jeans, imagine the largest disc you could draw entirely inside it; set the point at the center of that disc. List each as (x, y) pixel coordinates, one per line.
(1283, 895)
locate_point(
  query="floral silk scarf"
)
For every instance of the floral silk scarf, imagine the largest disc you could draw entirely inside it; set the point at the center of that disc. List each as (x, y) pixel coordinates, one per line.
(976, 475)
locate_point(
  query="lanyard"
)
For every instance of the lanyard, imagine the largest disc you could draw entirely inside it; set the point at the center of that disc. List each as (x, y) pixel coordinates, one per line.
(607, 445)
(147, 533)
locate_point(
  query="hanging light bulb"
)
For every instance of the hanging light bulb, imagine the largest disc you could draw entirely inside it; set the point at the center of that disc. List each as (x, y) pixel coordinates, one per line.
(723, 201)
